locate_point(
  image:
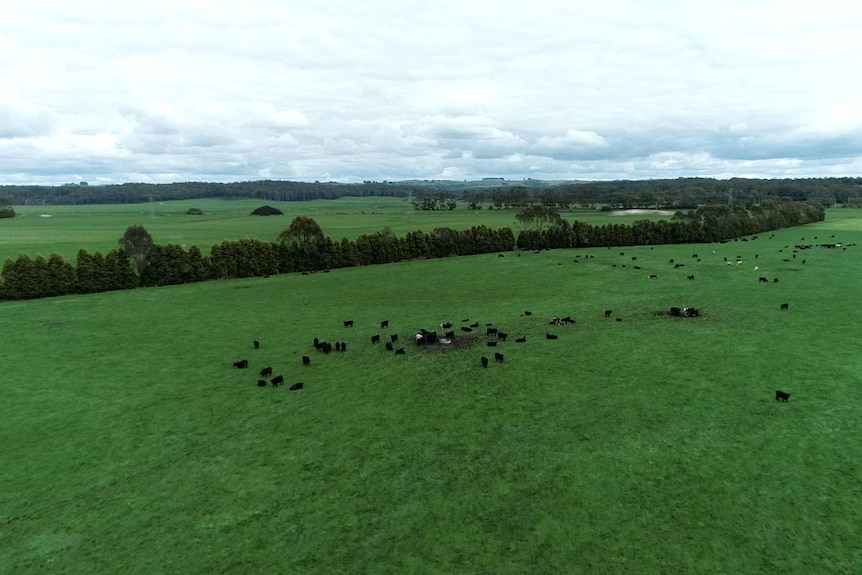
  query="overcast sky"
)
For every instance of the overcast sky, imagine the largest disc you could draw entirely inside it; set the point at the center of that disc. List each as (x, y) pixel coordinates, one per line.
(211, 90)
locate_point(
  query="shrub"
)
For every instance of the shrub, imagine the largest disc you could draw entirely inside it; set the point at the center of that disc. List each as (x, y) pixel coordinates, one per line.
(7, 212)
(267, 211)
(195, 212)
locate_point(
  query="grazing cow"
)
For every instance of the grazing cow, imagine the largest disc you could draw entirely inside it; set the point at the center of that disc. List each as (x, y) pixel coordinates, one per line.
(306, 361)
(384, 323)
(484, 361)
(467, 329)
(498, 357)
(375, 339)
(634, 258)
(399, 351)
(694, 255)
(502, 336)
(492, 344)
(622, 253)
(343, 346)
(653, 276)
(326, 347)
(775, 280)
(521, 340)
(689, 277)
(677, 266)
(762, 280)
(781, 396)
(261, 383)
(266, 372)
(449, 335)
(348, 323)
(446, 325)
(491, 331)
(256, 344)
(608, 312)
(241, 364)
(474, 324)
(393, 338)
(277, 380)
(550, 336)
(785, 306)
(337, 346)
(528, 313)
(500, 256)
(636, 267)
(296, 386)
(388, 346)
(316, 343)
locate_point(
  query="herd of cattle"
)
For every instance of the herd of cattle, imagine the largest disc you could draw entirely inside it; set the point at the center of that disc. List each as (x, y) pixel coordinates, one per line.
(448, 336)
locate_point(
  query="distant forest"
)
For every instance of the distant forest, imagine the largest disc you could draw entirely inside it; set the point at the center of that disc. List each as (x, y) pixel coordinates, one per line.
(437, 194)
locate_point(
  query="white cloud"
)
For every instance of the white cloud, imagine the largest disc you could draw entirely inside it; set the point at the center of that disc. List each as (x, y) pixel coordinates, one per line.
(351, 91)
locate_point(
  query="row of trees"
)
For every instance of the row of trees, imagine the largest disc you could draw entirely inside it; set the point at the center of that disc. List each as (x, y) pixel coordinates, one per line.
(303, 247)
(703, 225)
(681, 193)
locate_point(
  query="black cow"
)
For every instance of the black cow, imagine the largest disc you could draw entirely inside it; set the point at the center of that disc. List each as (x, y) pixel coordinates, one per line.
(241, 364)
(502, 336)
(689, 277)
(277, 380)
(474, 324)
(393, 337)
(785, 306)
(498, 357)
(375, 339)
(492, 344)
(466, 329)
(449, 335)
(256, 344)
(677, 266)
(389, 346)
(384, 323)
(343, 346)
(694, 255)
(521, 340)
(608, 312)
(528, 313)
(316, 343)
(484, 361)
(671, 261)
(762, 280)
(446, 325)
(326, 347)
(399, 351)
(266, 372)
(296, 386)
(348, 323)
(775, 280)
(500, 256)
(653, 276)
(491, 331)
(306, 361)
(337, 346)
(550, 336)
(634, 258)
(261, 383)
(636, 267)
(781, 396)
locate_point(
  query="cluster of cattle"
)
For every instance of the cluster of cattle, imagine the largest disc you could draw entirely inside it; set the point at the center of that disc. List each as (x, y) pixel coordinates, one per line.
(266, 372)
(495, 337)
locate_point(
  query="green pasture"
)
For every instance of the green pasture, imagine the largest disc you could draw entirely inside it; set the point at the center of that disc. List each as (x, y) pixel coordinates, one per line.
(647, 445)
(43, 230)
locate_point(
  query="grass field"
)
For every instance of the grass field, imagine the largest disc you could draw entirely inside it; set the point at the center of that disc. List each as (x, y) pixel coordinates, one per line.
(43, 230)
(647, 445)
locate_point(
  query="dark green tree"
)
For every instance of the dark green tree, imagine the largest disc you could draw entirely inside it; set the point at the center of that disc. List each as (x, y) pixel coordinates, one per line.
(136, 244)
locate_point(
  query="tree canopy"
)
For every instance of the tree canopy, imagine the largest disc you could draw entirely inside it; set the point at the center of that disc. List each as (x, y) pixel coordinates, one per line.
(136, 243)
(303, 231)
